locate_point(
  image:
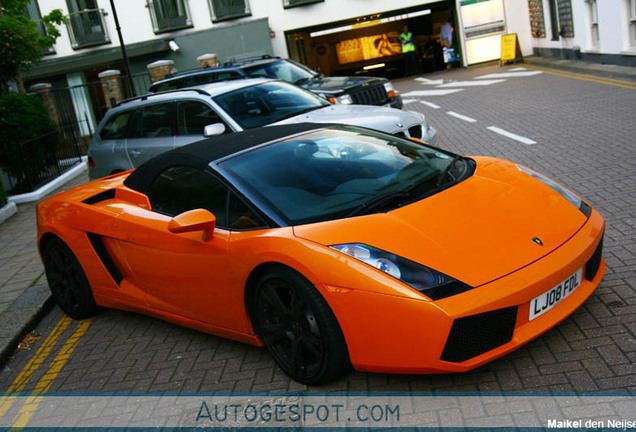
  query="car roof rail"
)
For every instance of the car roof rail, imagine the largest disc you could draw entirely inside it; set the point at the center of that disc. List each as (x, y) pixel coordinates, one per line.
(248, 59)
(147, 95)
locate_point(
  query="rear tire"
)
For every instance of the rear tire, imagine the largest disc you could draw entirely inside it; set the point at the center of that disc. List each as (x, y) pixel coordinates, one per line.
(67, 280)
(298, 328)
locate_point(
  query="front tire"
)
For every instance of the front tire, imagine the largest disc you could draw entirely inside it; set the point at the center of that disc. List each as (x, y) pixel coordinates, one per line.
(298, 328)
(67, 280)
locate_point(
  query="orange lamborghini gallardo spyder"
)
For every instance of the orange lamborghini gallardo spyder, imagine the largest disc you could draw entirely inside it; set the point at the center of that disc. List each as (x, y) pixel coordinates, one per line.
(333, 246)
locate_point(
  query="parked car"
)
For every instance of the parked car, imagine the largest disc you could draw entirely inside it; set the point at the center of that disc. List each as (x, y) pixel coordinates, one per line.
(137, 130)
(332, 246)
(338, 89)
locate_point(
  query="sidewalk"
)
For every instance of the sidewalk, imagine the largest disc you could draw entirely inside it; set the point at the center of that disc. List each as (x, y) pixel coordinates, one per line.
(24, 295)
(578, 66)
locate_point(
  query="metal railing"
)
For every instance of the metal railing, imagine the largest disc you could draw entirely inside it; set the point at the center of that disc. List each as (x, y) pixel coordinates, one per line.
(87, 28)
(169, 15)
(45, 158)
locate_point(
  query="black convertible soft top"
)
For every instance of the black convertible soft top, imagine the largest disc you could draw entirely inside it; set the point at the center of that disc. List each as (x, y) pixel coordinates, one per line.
(201, 153)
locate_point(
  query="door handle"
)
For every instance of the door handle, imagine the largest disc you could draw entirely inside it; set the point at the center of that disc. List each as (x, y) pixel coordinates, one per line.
(135, 153)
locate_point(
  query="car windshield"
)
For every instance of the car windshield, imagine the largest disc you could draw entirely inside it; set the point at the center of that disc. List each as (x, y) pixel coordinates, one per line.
(341, 171)
(284, 70)
(267, 103)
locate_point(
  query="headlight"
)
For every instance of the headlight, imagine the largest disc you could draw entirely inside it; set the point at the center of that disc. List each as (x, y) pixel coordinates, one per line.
(429, 282)
(390, 91)
(564, 192)
(344, 99)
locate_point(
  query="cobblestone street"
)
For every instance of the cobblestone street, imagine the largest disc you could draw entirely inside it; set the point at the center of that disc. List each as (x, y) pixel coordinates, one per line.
(576, 129)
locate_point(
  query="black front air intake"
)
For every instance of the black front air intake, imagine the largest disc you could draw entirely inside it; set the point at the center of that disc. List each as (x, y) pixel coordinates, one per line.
(477, 334)
(592, 265)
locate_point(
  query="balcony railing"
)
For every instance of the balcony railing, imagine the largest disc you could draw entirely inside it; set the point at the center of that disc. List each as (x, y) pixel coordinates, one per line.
(87, 28)
(228, 9)
(169, 15)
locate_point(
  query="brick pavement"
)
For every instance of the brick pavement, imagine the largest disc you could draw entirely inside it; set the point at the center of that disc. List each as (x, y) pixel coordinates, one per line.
(584, 133)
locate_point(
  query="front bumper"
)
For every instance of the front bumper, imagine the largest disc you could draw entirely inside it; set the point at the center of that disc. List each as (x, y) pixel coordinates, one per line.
(401, 335)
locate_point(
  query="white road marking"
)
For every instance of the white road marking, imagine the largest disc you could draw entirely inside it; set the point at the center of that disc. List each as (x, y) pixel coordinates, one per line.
(430, 82)
(408, 101)
(461, 116)
(430, 104)
(471, 83)
(505, 133)
(417, 93)
(509, 75)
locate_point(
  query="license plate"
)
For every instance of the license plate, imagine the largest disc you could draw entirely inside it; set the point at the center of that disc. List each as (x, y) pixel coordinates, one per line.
(549, 299)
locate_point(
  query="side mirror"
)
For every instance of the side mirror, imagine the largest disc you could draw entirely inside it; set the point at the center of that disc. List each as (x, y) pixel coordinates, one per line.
(213, 129)
(192, 221)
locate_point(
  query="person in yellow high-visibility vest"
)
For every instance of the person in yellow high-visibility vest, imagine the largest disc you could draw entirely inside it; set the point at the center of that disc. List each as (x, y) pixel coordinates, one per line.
(408, 51)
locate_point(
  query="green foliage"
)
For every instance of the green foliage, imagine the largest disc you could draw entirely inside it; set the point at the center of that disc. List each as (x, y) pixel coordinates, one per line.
(23, 118)
(20, 41)
(3, 194)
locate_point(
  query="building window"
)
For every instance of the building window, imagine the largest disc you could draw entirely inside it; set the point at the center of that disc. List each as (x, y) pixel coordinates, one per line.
(86, 24)
(33, 12)
(221, 10)
(632, 22)
(561, 22)
(593, 13)
(566, 24)
(293, 3)
(169, 15)
(537, 20)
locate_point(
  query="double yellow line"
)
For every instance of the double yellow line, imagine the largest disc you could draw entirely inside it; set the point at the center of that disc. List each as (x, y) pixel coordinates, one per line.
(44, 384)
(584, 77)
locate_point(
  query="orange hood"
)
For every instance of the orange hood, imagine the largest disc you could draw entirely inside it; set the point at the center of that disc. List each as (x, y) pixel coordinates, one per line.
(476, 231)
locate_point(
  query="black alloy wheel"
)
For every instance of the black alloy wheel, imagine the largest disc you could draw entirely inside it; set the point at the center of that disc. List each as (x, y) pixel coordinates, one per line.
(67, 280)
(298, 328)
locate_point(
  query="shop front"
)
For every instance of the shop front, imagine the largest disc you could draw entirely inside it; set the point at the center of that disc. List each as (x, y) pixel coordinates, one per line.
(370, 45)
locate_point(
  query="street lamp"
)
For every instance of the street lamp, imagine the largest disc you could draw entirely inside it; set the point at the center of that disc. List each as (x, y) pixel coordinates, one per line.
(123, 50)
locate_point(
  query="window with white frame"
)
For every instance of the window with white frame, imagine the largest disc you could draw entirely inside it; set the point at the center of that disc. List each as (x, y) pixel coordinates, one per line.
(221, 10)
(168, 15)
(593, 13)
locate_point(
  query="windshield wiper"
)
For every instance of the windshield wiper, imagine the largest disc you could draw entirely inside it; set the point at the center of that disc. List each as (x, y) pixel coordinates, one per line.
(447, 171)
(384, 200)
(306, 79)
(379, 201)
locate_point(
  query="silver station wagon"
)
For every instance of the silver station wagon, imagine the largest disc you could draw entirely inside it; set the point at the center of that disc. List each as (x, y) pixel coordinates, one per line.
(144, 127)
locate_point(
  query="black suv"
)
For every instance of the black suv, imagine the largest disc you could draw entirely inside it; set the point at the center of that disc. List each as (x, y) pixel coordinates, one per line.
(338, 89)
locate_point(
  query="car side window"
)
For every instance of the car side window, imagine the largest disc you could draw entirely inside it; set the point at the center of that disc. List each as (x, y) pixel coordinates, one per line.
(241, 216)
(154, 121)
(116, 126)
(181, 188)
(195, 116)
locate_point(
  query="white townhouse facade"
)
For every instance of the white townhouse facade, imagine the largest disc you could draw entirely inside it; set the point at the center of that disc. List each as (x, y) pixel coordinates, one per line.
(333, 36)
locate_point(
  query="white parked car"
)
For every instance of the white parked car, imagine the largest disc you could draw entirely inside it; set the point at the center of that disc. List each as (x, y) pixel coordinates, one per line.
(144, 127)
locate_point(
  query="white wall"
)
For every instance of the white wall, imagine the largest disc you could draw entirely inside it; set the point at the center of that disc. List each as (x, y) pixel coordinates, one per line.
(136, 24)
(613, 29)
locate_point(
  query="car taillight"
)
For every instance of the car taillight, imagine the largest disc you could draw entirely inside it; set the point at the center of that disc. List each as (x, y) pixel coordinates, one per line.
(332, 100)
(91, 162)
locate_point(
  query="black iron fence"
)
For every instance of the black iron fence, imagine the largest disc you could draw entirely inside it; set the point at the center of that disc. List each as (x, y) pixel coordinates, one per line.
(42, 159)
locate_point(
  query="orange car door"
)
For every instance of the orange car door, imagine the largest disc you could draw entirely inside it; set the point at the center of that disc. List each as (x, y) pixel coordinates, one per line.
(183, 273)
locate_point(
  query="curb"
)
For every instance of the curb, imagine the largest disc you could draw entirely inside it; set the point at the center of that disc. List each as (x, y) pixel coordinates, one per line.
(22, 316)
(8, 210)
(591, 68)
